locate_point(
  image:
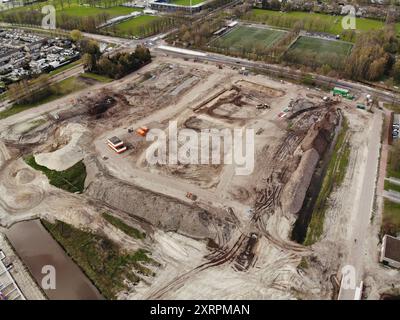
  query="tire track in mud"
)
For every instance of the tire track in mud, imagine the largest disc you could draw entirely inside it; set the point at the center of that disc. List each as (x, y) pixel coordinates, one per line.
(266, 200)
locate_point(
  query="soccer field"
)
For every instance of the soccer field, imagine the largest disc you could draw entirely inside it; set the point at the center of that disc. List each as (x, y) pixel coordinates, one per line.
(312, 21)
(318, 51)
(186, 2)
(322, 45)
(132, 27)
(249, 38)
(73, 9)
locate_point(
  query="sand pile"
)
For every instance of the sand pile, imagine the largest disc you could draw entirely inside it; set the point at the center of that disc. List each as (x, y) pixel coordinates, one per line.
(70, 154)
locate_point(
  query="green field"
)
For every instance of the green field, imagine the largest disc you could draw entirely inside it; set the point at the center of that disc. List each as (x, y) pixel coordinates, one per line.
(312, 21)
(72, 8)
(186, 2)
(58, 90)
(72, 179)
(79, 11)
(127, 229)
(249, 38)
(316, 51)
(391, 218)
(132, 27)
(96, 77)
(334, 176)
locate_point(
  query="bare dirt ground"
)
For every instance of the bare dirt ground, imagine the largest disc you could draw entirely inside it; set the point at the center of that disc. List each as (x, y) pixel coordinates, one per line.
(234, 240)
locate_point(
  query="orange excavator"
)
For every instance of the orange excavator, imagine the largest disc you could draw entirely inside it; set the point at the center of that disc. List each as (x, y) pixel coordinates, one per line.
(142, 131)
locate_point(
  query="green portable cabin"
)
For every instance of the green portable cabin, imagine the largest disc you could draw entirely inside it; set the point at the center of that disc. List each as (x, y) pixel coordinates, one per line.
(340, 91)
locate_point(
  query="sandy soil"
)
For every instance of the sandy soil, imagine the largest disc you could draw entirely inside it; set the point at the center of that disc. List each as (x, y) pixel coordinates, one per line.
(233, 242)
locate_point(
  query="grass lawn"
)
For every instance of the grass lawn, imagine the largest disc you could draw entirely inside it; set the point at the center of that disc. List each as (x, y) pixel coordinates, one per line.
(106, 265)
(333, 178)
(118, 223)
(390, 170)
(391, 218)
(391, 186)
(80, 11)
(249, 37)
(313, 21)
(322, 46)
(66, 67)
(394, 107)
(186, 2)
(72, 179)
(318, 51)
(61, 88)
(97, 77)
(132, 27)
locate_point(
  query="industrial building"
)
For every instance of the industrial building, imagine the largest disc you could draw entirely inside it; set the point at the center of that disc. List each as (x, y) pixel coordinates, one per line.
(163, 5)
(390, 252)
(9, 289)
(116, 144)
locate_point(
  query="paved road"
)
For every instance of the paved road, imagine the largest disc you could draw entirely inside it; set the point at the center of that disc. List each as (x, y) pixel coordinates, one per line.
(363, 207)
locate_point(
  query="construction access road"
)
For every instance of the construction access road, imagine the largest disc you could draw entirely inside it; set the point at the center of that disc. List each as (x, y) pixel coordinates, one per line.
(363, 207)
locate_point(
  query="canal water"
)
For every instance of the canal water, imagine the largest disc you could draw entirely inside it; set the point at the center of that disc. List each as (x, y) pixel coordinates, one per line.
(37, 248)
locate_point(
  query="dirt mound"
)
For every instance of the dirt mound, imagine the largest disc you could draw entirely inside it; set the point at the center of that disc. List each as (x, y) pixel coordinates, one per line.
(163, 212)
(319, 135)
(313, 146)
(295, 190)
(24, 176)
(68, 155)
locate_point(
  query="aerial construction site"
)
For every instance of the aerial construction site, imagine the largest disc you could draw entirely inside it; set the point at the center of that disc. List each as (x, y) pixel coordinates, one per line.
(207, 232)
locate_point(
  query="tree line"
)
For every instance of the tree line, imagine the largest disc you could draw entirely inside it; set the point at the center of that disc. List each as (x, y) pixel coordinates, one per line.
(114, 66)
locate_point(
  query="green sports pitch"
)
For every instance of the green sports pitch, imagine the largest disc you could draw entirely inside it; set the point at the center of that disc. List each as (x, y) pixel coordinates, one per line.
(186, 2)
(318, 51)
(249, 38)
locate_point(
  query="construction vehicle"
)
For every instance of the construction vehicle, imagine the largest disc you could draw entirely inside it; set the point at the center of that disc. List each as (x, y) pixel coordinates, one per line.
(191, 196)
(263, 106)
(219, 66)
(361, 106)
(142, 131)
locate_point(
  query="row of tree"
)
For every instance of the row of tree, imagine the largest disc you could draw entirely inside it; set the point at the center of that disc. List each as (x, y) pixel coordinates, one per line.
(114, 66)
(374, 55)
(31, 91)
